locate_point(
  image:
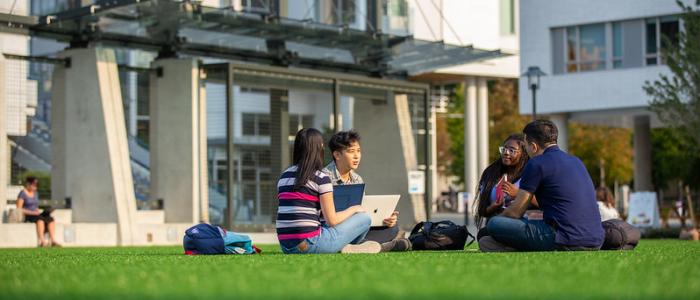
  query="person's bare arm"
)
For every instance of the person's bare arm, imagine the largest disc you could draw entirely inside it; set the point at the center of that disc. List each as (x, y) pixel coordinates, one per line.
(518, 207)
(330, 215)
(494, 208)
(26, 212)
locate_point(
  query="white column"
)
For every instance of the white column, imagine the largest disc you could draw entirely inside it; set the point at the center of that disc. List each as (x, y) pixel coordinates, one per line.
(470, 136)
(562, 123)
(95, 170)
(433, 159)
(482, 124)
(347, 112)
(642, 154)
(4, 153)
(177, 141)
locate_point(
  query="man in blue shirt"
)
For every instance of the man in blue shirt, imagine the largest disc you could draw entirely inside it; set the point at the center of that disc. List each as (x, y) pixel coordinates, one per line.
(565, 193)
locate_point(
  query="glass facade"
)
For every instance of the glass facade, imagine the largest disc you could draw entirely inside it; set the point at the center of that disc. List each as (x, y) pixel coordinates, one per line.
(265, 111)
(253, 115)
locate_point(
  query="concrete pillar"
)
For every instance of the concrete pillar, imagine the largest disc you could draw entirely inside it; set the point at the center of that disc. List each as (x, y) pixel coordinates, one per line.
(433, 161)
(562, 123)
(470, 136)
(90, 141)
(642, 154)
(347, 112)
(379, 124)
(4, 153)
(482, 125)
(178, 141)
(280, 154)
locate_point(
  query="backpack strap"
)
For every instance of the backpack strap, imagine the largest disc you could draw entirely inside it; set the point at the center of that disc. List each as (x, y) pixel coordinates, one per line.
(427, 228)
(417, 228)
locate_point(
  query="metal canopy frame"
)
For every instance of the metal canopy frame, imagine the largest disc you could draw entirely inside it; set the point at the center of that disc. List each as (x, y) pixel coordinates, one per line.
(228, 72)
(173, 27)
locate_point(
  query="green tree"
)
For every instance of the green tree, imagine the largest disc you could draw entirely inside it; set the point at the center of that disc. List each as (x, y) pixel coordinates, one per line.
(603, 148)
(504, 114)
(673, 157)
(675, 99)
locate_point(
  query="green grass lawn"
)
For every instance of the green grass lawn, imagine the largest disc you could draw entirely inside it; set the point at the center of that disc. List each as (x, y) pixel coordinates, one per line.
(656, 269)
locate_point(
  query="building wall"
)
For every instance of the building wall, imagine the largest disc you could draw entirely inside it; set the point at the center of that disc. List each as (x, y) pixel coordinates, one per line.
(584, 91)
(469, 22)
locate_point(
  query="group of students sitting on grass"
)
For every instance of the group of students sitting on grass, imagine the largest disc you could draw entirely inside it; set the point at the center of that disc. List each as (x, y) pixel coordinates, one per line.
(535, 197)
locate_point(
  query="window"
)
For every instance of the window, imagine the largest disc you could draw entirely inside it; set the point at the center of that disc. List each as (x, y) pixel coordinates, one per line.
(507, 17)
(613, 45)
(256, 6)
(255, 124)
(298, 122)
(571, 49)
(337, 12)
(651, 48)
(254, 90)
(398, 8)
(617, 45)
(586, 48)
(395, 17)
(658, 33)
(142, 132)
(248, 124)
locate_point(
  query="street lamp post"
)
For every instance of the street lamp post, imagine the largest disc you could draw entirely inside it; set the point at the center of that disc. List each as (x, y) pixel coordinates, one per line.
(533, 82)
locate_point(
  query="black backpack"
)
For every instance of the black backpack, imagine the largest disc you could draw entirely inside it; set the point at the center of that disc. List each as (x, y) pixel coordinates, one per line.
(443, 235)
(620, 235)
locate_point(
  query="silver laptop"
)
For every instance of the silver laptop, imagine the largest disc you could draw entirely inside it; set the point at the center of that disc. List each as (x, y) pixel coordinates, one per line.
(380, 207)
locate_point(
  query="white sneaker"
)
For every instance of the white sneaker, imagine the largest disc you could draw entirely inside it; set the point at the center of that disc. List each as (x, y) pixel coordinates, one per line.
(366, 247)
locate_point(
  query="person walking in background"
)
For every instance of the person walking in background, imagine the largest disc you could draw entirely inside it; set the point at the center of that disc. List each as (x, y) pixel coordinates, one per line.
(565, 193)
(606, 204)
(346, 153)
(28, 203)
(303, 193)
(500, 181)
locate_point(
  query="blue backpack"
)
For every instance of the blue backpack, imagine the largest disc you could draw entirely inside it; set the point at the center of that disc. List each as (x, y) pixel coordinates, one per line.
(208, 239)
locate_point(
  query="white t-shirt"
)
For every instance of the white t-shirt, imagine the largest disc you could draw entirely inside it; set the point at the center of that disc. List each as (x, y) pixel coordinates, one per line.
(607, 213)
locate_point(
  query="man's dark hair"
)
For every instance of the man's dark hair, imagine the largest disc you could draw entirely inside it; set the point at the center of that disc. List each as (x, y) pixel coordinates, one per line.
(342, 140)
(541, 132)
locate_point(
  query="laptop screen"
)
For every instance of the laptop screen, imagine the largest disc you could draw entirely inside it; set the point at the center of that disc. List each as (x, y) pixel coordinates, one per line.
(347, 195)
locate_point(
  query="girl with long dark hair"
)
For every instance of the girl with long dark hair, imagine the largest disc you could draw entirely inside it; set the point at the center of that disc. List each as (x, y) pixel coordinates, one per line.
(304, 193)
(499, 182)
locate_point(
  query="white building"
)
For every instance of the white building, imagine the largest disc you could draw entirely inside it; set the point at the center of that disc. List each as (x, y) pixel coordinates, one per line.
(597, 56)
(491, 25)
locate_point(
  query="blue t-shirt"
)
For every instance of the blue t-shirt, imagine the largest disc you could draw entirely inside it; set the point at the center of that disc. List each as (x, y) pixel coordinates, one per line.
(566, 195)
(30, 203)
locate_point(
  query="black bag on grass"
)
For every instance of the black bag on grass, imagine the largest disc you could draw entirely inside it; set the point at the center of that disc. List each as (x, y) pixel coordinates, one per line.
(443, 235)
(620, 235)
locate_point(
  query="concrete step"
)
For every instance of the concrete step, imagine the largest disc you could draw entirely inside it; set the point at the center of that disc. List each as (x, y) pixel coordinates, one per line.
(23, 235)
(150, 217)
(65, 216)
